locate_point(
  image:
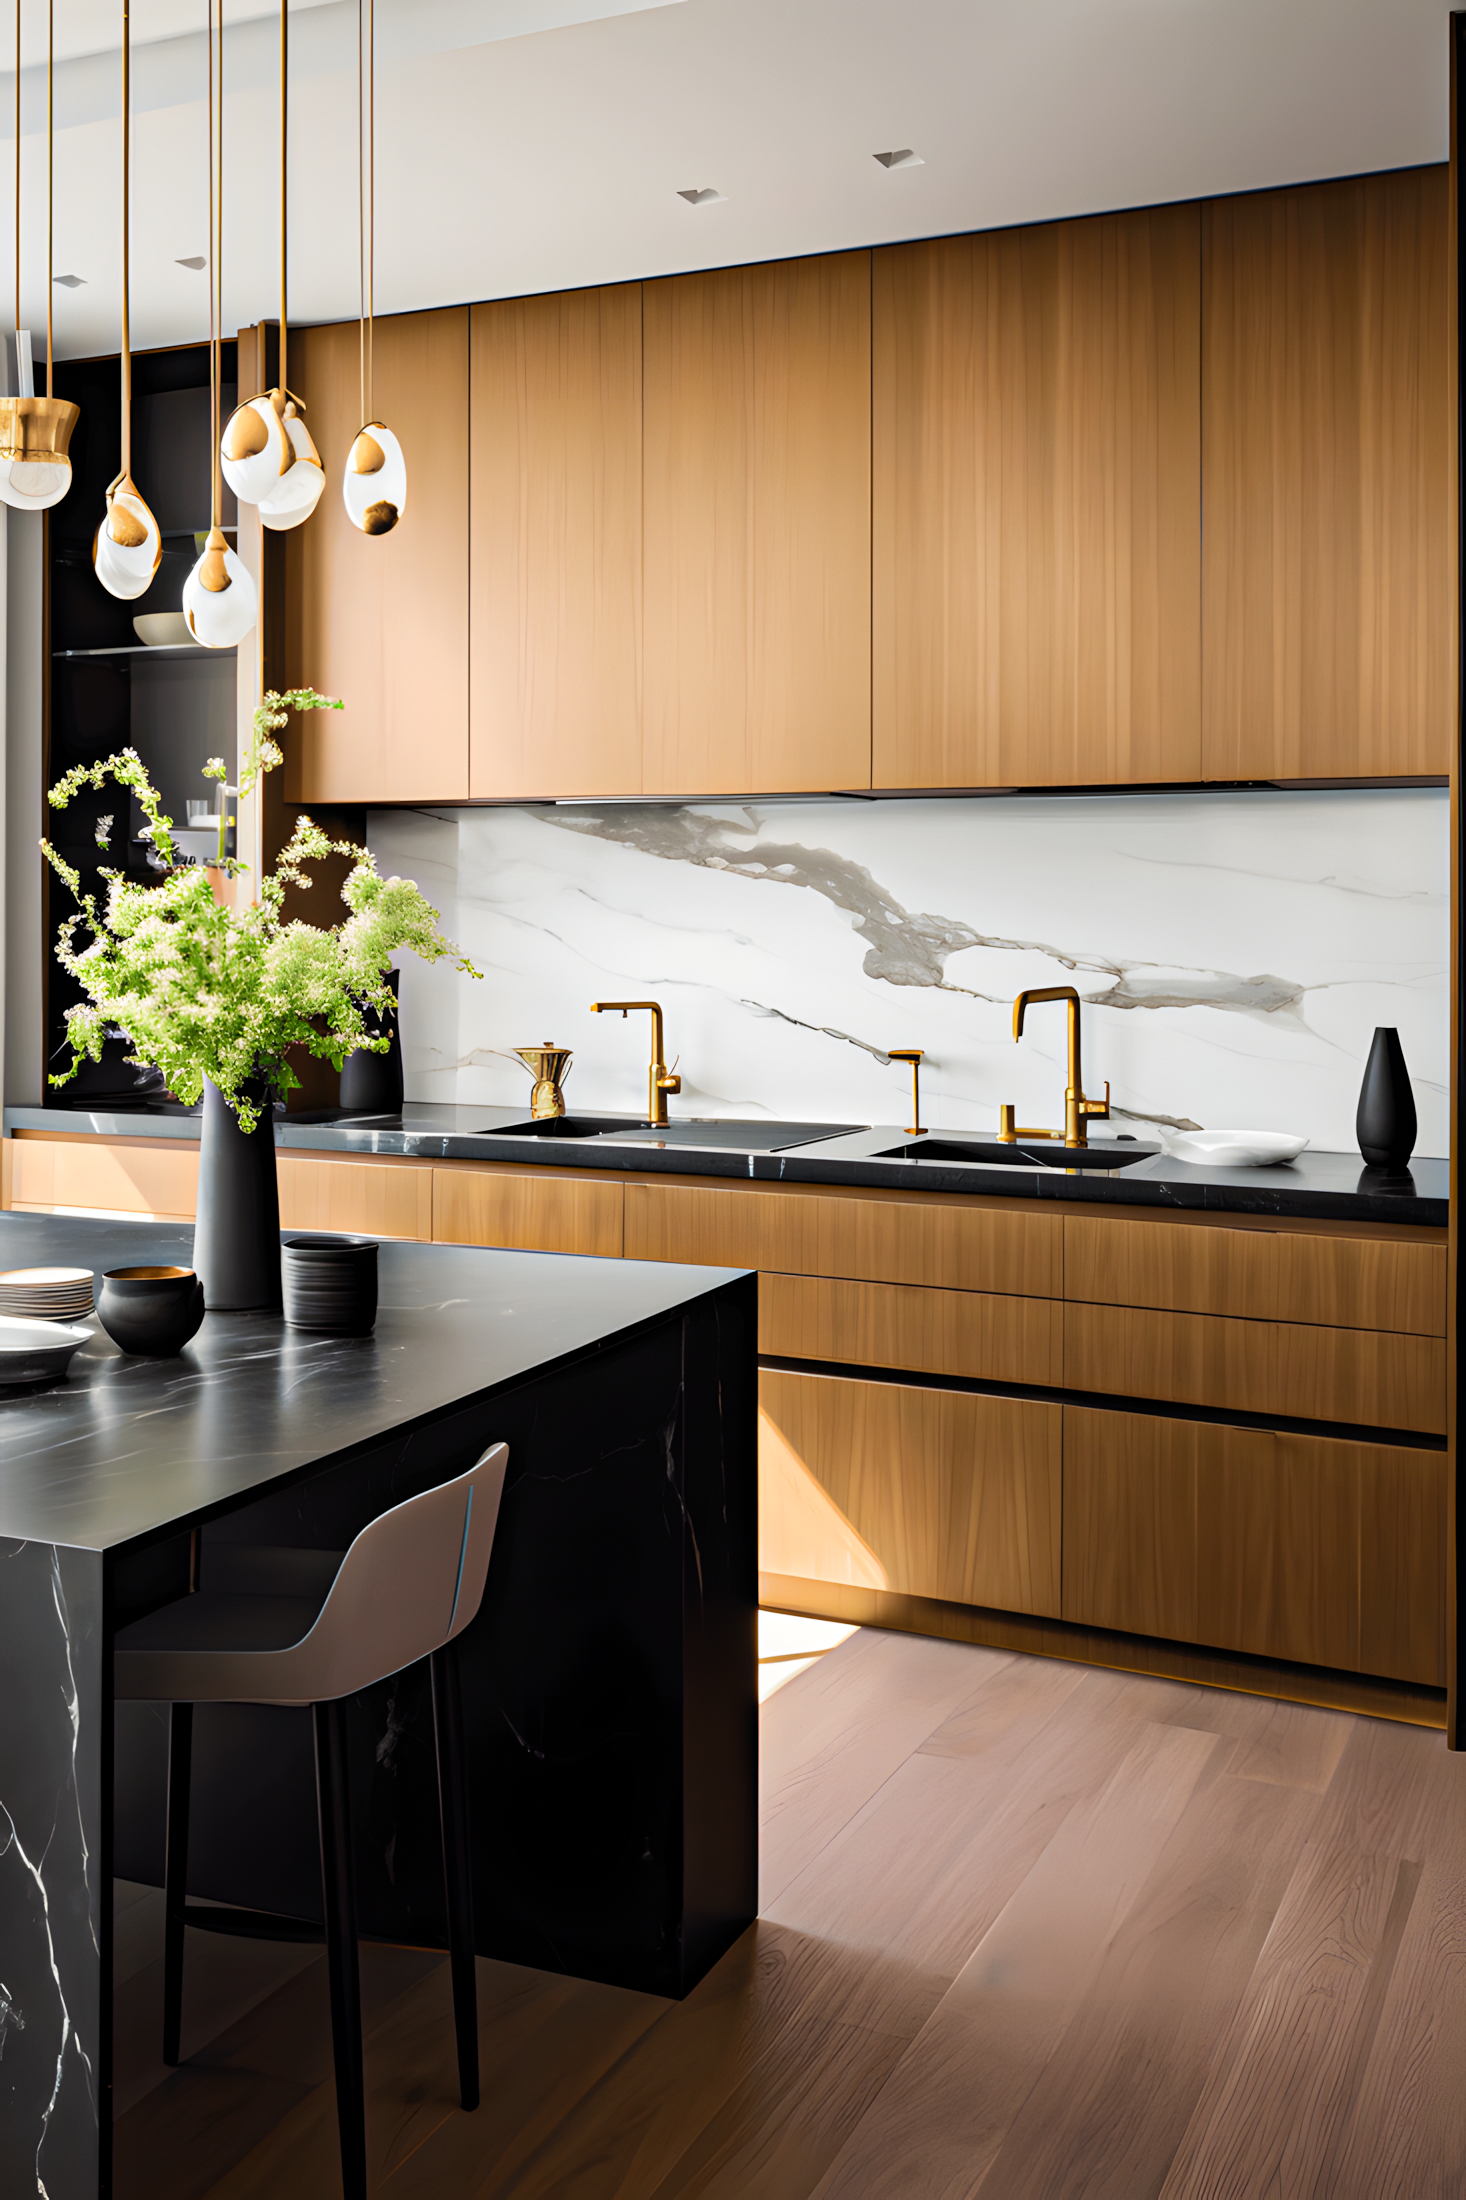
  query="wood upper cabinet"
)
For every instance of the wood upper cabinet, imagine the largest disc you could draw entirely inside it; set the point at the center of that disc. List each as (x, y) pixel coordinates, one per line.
(382, 621)
(555, 603)
(1328, 582)
(1037, 505)
(757, 528)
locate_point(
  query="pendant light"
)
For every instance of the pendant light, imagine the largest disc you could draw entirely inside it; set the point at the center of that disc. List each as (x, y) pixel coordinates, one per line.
(375, 482)
(219, 599)
(35, 432)
(127, 546)
(268, 457)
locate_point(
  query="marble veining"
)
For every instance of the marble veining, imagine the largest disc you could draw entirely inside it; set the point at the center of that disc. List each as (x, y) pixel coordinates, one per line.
(1235, 951)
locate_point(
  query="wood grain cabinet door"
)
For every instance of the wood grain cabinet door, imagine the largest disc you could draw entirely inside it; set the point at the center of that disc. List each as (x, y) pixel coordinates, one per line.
(926, 1492)
(1037, 505)
(555, 576)
(382, 620)
(1280, 1545)
(757, 519)
(1328, 586)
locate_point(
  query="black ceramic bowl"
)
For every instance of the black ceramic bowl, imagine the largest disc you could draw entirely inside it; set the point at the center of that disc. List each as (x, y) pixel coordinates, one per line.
(330, 1284)
(151, 1311)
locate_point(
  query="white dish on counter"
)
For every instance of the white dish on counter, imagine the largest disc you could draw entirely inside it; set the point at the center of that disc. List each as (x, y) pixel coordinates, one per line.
(37, 1352)
(1236, 1149)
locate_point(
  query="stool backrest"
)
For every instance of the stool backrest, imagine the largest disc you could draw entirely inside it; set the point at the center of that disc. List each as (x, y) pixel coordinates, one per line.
(411, 1581)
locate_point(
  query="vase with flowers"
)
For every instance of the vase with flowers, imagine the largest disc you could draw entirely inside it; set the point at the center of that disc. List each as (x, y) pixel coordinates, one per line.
(216, 997)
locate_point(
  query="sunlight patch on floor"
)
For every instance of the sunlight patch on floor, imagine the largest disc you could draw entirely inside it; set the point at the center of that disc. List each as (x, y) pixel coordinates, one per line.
(789, 1644)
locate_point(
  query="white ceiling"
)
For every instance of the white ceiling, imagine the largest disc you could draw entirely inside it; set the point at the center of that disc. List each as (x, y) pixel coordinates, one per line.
(541, 144)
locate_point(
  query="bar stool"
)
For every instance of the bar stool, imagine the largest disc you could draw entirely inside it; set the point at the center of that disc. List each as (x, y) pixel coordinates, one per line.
(411, 1581)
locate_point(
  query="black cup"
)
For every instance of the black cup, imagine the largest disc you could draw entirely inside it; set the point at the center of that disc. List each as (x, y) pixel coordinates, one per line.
(330, 1284)
(151, 1312)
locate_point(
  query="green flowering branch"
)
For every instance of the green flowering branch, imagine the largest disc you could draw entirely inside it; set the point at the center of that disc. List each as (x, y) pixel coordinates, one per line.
(202, 991)
(272, 715)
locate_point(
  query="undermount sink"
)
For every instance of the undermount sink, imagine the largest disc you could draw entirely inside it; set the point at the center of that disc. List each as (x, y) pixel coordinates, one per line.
(566, 1126)
(1027, 1153)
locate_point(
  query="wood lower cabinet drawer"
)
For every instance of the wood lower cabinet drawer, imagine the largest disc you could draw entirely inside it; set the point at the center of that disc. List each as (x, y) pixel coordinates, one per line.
(1308, 1374)
(1283, 1546)
(929, 1492)
(386, 1199)
(955, 1244)
(1183, 1266)
(543, 1212)
(1001, 1340)
(135, 1176)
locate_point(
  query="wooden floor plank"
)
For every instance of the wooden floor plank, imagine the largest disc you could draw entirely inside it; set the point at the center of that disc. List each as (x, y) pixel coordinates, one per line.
(857, 1716)
(1110, 2106)
(946, 2110)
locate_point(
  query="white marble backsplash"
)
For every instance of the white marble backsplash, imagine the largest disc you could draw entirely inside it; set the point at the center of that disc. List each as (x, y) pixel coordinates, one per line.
(1235, 952)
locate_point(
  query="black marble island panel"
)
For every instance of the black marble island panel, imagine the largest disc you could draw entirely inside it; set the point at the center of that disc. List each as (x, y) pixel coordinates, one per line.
(1325, 1186)
(608, 1680)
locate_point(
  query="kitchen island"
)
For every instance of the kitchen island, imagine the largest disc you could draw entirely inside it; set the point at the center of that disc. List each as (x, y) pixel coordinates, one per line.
(608, 1680)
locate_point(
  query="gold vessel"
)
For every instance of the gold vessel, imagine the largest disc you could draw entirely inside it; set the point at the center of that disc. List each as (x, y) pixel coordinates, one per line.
(548, 1066)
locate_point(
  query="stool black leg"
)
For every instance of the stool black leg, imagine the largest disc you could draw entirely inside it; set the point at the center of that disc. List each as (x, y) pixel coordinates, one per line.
(338, 1881)
(457, 1870)
(175, 1873)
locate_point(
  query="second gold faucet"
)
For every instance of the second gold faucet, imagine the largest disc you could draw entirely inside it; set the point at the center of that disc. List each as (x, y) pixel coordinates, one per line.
(659, 1080)
(1077, 1110)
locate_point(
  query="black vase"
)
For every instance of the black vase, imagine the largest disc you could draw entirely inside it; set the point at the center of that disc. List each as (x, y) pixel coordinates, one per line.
(371, 1084)
(1385, 1123)
(236, 1238)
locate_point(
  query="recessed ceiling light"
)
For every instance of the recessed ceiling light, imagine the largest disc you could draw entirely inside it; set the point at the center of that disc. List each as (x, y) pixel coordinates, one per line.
(195, 263)
(71, 282)
(903, 157)
(707, 196)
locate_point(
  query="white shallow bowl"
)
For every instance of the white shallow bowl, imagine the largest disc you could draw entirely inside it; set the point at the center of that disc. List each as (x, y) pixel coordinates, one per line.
(1237, 1149)
(35, 1352)
(161, 629)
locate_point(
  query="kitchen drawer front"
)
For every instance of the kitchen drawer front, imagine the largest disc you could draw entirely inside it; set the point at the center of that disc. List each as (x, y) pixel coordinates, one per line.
(1282, 1546)
(546, 1212)
(1361, 1376)
(135, 1176)
(1001, 1340)
(385, 1199)
(954, 1244)
(932, 1493)
(1266, 1275)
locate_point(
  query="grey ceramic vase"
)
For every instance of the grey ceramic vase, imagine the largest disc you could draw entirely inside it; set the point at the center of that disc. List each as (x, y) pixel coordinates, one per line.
(371, 1084)
(1385, 1122)
(236, 1238)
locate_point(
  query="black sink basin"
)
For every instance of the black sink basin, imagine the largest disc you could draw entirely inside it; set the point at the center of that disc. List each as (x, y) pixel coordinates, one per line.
(1028, 1153)
(567, 1126)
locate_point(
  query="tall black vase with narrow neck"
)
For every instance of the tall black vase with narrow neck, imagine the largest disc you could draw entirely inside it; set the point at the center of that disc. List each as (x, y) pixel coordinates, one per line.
(1385, 1123)
(236, 1238)
(371, 1084)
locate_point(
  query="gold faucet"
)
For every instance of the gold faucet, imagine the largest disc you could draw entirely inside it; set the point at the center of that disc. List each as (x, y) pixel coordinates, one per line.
(659, 1081)
(1077, 1110)
(913, 1055)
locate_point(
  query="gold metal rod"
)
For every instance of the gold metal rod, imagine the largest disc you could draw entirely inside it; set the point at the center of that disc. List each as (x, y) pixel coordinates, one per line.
(50, 181)
(126, 242)
(216, 225)
(360, 214)
(372, 206)
(284, 175)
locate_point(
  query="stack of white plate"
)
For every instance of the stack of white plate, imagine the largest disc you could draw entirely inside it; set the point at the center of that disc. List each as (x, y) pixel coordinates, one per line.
(45, 1294)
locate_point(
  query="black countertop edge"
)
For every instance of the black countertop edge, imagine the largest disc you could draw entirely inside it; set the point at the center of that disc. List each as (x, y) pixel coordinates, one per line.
(1319, 1186)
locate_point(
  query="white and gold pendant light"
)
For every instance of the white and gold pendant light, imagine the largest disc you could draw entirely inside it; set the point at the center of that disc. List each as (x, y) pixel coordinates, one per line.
(127, 546)
(268, 457)
(219, 598)
(375, 482)
(35, 432)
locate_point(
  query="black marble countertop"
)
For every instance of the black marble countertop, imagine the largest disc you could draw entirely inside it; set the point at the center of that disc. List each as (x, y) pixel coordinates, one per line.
(127, 1448)
(1324, 1185)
